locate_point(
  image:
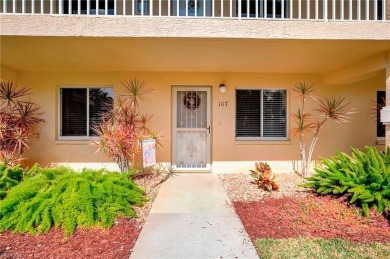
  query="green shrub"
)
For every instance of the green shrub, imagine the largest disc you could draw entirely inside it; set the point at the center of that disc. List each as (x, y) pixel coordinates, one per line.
(63, 198)
(9, 177)
(365, 176)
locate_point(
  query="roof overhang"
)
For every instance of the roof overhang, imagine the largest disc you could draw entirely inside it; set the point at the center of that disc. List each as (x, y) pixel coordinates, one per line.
(102, 43)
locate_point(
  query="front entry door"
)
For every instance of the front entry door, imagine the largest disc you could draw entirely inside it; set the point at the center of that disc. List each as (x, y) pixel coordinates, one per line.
(191, 129)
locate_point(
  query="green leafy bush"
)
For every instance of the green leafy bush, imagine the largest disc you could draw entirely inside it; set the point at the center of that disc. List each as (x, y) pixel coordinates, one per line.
(264, 178)
(9, 177)
(63, 198)
(365, 176)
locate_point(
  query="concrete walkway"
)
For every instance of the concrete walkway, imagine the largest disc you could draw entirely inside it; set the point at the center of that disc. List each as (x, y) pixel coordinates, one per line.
(193, 218)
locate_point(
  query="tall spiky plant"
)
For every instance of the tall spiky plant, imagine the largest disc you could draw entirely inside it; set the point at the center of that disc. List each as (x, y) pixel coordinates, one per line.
(333, 108)
(122, 131)
(19, 122)
(135, 92)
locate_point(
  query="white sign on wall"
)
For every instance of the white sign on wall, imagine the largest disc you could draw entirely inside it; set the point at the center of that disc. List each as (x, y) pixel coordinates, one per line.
(149, 152)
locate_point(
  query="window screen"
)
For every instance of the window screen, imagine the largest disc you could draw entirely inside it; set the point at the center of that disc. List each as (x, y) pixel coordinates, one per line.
(74, 112)
(248, 113)
(82, 108)
(261, 113)
(381, 102)
(274, 116)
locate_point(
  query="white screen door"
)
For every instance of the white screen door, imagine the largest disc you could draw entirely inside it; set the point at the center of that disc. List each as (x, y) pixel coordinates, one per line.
(191, 129)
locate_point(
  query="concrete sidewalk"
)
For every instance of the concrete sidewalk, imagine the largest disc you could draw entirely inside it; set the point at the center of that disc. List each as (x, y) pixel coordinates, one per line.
(193, 218)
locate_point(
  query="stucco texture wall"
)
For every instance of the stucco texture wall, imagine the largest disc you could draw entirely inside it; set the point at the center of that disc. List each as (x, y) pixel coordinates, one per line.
(228, 155)
(8, 74)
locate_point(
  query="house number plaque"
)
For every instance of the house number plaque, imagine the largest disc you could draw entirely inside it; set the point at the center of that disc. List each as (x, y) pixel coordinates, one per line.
(223, 103)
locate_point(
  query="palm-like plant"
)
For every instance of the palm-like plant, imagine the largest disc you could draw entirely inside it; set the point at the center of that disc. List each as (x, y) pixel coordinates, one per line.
(10, 93)
(19, 122)
(135, 91)
(122, 131)
(333, 108)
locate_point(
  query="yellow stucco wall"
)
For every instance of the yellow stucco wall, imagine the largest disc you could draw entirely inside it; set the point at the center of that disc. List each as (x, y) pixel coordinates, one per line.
(228, 155)
(8, 74)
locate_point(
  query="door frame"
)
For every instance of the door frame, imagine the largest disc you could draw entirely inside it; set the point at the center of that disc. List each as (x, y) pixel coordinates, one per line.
(175, 89)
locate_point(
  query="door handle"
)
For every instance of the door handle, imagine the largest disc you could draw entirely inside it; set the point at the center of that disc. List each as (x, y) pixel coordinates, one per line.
(209, 129)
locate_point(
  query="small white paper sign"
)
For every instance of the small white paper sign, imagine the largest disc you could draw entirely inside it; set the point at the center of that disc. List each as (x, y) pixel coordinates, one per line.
(149, 152)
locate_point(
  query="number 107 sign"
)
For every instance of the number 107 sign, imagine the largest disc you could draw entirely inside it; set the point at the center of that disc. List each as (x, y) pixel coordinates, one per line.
(148, 152)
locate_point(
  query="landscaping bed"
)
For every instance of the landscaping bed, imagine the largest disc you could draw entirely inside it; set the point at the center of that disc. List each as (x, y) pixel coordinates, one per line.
(290, 219)
(116, 242)
(295, 215)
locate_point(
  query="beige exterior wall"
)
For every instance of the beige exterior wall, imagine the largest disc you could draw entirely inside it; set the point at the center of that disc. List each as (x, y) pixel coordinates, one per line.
(228, 155)
(162, 44)
(8, 73)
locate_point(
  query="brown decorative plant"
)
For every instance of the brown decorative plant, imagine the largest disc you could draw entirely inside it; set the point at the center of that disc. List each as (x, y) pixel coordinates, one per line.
(19, 122)
(333, 108)
(264, 178)
(122, 131)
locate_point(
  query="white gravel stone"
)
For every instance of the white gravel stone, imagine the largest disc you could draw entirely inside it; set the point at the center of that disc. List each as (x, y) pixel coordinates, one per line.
(241, 187)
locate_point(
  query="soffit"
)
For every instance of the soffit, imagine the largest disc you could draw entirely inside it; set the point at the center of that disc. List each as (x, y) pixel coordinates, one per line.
(183, 54)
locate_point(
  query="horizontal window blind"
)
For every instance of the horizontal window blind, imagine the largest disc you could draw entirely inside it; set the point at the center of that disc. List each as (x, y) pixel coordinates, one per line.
(82, 109)
(100, 102)
(274, 116)
(261, 113)
(381, 102)
(248, 113)
(74, 112)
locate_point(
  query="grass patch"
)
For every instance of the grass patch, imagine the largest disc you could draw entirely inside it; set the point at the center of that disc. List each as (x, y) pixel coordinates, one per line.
(64, 198)
(304, 247)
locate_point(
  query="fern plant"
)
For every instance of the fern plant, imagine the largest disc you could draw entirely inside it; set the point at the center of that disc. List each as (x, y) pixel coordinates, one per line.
(63, 198)
(363, 176)
(264, 178)
(9, 177)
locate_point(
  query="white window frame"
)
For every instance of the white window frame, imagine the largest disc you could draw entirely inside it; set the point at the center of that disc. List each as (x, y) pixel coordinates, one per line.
(261, 115)
(60, 111)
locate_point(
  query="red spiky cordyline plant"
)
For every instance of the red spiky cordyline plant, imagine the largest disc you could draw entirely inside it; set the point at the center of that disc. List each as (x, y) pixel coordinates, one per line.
(122, 131)
(333, 108)
(19, 122)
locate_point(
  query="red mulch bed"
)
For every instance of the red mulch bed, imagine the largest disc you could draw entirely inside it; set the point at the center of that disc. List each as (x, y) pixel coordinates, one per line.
(270, 218)
(97, 243)
(314, 216)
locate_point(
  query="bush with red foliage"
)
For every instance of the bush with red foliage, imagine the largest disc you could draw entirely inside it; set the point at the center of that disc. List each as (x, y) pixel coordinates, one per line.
(19, 122)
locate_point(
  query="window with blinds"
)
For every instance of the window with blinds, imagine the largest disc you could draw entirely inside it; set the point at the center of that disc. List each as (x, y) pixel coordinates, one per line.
(261, 114)
(381, 102)
(82, 108)
(248, 113)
